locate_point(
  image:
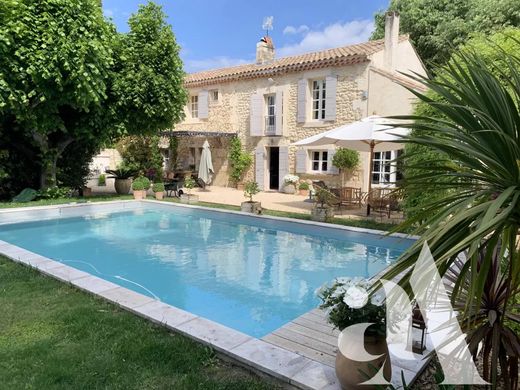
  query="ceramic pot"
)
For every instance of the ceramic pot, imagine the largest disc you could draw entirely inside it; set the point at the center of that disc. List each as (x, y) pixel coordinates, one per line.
(289, 189)
(304, 192)
(123, 186)
(138, 194)
(251, 207)
(352, 373)
(159, 195)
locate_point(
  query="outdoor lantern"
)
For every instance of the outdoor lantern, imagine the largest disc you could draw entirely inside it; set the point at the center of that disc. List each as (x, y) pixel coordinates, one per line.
(418, 346)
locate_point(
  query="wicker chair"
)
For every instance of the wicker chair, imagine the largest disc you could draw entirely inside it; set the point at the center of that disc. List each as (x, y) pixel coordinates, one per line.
(384, 200)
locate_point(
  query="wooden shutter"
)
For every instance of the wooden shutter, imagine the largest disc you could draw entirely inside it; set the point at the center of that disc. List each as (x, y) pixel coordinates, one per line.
(279, 113)
(203, 105)
(302, 100)
(255, 110)
(283, 167)
(260, 167)
(331, 168)
(330, 98)
(301, 160)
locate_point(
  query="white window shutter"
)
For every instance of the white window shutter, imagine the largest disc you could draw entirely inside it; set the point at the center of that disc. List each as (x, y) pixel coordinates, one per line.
(279, 113)
(301, 160)
(330, 98)
(302, 100)
(255, 111)
(203, 105)
(331, 168)
(260, 167)
(283, 167)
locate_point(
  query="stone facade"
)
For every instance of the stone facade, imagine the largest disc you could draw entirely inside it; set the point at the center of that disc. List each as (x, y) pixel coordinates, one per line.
(240, 106)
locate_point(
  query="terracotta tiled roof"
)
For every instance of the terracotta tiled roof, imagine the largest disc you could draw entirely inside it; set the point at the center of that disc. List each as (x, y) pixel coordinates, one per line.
(340, 56)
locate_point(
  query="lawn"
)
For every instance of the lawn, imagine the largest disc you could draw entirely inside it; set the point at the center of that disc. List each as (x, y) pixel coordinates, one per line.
(53, 336)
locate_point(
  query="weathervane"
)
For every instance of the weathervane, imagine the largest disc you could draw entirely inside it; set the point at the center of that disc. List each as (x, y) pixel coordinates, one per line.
(268, 24)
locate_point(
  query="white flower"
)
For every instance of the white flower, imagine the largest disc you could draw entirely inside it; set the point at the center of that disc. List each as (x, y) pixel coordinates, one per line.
(339, 291)
(378, 298)
(291, 179)
(344, 280)
(356, 297)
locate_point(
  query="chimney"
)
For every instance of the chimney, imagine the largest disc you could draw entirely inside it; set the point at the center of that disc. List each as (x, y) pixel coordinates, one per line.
(391, 39)
(264, 51)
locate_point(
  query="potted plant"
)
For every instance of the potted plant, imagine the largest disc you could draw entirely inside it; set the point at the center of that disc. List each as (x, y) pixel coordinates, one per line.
(140, 185)
(290, 182)
(345, 160)
(304, 188)
(323, 210)
(158, 189)
(189, 184)
(250, 206)
(348, 303)
(123, 179)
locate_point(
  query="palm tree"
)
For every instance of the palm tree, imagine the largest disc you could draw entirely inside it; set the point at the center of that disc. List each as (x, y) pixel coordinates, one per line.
(477, 125)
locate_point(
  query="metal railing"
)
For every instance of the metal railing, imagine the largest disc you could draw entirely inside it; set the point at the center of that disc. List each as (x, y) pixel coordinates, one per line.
(270, 125)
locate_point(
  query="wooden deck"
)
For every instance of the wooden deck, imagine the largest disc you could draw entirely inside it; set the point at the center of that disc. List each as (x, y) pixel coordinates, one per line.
(310, 335)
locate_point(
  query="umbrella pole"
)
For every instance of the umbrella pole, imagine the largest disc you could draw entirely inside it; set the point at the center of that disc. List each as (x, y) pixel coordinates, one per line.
(370, 164)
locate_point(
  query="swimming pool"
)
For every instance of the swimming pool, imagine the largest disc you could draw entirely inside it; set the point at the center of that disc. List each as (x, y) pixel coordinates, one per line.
(248, 273)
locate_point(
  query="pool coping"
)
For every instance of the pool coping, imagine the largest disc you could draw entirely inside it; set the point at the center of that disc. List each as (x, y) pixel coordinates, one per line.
(256, 354)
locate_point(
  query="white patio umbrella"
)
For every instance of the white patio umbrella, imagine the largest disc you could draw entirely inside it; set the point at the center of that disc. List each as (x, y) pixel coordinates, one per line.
(205, 165)
(371, 134)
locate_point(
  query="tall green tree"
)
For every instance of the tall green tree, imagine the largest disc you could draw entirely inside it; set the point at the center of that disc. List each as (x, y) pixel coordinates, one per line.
(66, 76)
(438, 27)
(421, 157)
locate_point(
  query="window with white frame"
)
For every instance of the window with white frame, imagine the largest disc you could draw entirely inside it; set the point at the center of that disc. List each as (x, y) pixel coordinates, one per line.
(383, 169)
(318, 99)
(319, 161)
(194, 106)
(270, 116)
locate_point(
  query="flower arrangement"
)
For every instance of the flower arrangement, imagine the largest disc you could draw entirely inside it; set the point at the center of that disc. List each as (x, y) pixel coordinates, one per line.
(348, 302)
(291, 179)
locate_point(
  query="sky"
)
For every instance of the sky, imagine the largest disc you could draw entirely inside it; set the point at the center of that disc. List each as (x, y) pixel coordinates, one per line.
(220, 33)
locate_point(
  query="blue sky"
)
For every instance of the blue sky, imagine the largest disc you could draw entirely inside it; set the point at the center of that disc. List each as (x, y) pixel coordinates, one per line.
(219, 33)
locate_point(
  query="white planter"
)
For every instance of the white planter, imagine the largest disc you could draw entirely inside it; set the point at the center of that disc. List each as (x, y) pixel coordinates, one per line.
(251, 207)
(289, 189)
(189, 198)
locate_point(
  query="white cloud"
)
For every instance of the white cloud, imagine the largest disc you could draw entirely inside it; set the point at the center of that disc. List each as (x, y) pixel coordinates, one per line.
(213, 63)
(334, 35)
(109, 13)
(296, 30)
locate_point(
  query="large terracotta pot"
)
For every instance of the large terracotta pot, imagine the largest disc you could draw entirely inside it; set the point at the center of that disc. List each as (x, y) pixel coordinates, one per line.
(289, 188)
(138, 194)
(159, 195)
(350, 372)
(123, 186)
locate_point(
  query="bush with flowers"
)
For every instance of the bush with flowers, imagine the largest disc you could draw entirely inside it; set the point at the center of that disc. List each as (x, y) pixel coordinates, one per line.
(348, 302)
(291, 179)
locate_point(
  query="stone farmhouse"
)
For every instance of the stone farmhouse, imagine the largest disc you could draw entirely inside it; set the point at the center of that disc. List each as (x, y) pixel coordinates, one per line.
(277, 101)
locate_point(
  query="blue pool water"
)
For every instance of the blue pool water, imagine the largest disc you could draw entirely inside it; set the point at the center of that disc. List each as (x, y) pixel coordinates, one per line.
(251, 274)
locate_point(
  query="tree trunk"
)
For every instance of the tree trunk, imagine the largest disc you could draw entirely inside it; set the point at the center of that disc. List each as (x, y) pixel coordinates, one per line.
(49, 159)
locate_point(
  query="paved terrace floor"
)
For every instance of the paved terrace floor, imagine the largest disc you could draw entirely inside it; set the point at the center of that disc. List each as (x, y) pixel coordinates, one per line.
(271, 200)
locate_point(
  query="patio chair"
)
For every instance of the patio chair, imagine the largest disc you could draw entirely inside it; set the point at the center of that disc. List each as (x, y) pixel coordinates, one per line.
(173, 187)
(349, 196)
(384, 200)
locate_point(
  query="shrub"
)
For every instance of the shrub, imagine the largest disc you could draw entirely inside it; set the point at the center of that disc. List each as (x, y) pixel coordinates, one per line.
(291, 179)
(303, 186)
(324, 198)
(345, 159)
(54, 193)
(102, 180)
(141, 183)
(189, 184)
(251, 189)
(122, 172)
(158, 187)
(142, 154)
(240, 160)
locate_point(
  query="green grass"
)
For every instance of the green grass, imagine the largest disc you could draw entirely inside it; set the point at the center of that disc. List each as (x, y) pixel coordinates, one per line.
(362, 223)
(53, 336)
